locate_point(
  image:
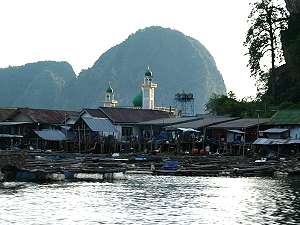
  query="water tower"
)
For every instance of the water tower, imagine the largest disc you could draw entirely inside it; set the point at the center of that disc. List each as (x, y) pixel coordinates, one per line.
(184, 103)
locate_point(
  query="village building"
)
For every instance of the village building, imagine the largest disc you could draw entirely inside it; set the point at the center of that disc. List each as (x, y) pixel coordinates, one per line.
(37, 128)
(236, 137)
(283, 139)
(288, 119)
(125, 120)
(94, 133)
(185, 134)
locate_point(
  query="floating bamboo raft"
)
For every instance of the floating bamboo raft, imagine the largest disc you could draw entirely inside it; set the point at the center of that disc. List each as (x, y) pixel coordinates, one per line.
(56, 167)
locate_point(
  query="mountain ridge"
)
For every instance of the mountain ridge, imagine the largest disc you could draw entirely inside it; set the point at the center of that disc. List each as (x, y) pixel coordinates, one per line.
(173, 58)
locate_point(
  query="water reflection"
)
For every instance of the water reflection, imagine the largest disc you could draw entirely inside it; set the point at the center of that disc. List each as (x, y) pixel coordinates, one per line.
(154, 200)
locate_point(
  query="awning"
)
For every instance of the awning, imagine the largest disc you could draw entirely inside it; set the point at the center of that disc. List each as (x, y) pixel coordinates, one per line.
(10, 136)
(99, 124)
(188, 130)
(66, 127)
(236, 131)
(51, 135)
(294, 141)
(275, 130)
(13, 123)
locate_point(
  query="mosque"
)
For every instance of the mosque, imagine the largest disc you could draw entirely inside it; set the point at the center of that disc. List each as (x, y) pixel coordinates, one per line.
(145, 99)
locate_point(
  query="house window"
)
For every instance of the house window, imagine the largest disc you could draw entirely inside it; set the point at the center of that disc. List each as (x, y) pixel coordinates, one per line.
(127, 131)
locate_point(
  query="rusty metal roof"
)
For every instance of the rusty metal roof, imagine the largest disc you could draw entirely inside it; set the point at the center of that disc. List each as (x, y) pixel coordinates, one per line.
(96, 113)
(43, 116)
(6, 112)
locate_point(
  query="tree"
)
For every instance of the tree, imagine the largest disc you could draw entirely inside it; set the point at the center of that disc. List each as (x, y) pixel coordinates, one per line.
(229, 105)
(267, 20)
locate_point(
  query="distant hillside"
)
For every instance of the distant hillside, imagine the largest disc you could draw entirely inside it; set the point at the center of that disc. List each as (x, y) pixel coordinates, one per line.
(179, 63)
(39, 84)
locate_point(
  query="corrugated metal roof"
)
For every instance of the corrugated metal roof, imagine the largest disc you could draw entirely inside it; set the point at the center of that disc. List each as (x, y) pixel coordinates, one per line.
(51, 135)
(275, 130)
(268, 141)
(240, 123)
(99, 124)
(6, 112)
(44, 116)
(96, 113)
(201, 122)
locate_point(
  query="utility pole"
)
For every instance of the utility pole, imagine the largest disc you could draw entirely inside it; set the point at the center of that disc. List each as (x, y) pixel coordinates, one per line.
(257, 131)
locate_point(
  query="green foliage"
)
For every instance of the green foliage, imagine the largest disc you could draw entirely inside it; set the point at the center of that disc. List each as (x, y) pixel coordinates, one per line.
(229, 105)
(267, 20)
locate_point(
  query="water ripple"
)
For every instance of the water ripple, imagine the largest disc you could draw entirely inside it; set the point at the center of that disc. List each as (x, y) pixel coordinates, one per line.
(153, 200)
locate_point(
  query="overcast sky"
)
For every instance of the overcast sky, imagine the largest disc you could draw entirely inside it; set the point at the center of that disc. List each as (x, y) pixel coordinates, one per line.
(79, 31)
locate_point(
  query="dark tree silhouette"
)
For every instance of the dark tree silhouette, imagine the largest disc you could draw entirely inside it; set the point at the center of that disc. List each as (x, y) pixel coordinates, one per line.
(267, 20)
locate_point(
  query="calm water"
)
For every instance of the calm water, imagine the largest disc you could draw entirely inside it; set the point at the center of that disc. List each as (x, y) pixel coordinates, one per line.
(154, 200)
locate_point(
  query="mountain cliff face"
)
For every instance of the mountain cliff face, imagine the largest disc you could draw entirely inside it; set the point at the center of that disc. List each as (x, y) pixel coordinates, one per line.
(39, 84)
(178, 62)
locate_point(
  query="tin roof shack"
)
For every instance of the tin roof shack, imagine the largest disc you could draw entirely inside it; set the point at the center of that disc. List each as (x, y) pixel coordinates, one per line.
(234, 137)
(95, 134)
(289, 119)
(126, 122)
(276, 142)
(274, 148)
(25, 121)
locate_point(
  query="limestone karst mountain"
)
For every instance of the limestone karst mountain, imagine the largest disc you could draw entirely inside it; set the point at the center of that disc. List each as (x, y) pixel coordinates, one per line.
(178, 62)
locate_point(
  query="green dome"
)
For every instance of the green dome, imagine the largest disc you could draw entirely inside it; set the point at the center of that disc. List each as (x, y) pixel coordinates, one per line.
(148, 72)
(109, 90)
(138, 100)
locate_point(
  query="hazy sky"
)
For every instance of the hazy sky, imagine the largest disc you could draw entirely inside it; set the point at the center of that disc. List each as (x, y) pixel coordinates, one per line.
(79, 31)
